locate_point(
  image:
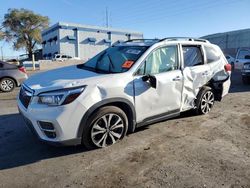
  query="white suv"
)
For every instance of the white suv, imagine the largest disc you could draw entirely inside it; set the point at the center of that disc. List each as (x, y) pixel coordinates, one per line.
(128, 85)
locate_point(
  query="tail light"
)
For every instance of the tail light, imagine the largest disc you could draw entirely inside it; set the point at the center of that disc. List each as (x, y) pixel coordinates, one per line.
(228, 67)
(22, 69)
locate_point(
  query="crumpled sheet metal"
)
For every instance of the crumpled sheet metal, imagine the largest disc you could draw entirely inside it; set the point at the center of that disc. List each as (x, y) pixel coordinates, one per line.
(193, 81)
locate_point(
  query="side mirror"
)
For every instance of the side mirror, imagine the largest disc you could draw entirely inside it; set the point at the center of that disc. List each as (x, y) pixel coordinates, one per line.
(247, 57)
(151, 79)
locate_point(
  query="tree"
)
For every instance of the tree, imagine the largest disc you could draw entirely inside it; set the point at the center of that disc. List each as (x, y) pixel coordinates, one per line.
(23, 27)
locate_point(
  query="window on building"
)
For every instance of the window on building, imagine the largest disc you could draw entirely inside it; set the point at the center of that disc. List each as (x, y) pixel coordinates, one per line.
(44, 43)
(211, 54)
(192, 56)
(55, 39)
(92, 39)
(71, 37)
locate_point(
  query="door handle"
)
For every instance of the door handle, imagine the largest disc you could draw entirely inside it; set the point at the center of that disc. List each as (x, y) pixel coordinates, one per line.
(177, 78)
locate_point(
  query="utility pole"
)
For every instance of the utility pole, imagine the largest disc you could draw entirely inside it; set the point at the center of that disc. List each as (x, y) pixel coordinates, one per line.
(107, 18)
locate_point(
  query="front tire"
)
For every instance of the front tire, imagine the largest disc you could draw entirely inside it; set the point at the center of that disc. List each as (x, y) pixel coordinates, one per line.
(7, 84)
(105, 127)
(205, 101)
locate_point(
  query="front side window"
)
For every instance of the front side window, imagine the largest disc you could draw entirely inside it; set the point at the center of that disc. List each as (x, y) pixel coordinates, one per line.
(161, 60)
(192, 56)
(212, 54)
(116, 59)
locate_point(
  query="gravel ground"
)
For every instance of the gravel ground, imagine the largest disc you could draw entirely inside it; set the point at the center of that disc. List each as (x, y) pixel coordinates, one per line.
(190, 151)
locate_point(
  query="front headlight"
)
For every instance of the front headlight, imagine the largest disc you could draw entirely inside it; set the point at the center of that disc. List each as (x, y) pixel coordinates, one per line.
(60, 97)
(246, 66)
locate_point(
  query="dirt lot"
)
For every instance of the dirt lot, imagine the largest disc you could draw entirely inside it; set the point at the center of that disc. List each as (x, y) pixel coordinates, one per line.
(190, 151)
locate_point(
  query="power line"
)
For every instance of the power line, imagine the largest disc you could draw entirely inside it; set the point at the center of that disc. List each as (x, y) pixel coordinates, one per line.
(157, 17)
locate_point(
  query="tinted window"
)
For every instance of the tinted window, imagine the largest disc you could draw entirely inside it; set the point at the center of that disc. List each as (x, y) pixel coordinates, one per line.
(112, 60)
(1, 65)
(192, 56)
(212, 54)
(243, 53)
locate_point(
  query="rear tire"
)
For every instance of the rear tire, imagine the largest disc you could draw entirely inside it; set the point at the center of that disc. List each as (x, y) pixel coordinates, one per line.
(7, 84)
(105, 127)
(204, 101)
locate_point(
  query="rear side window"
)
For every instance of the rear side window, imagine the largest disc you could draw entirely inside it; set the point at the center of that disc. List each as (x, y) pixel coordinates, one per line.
(192, 56)
(212, 54)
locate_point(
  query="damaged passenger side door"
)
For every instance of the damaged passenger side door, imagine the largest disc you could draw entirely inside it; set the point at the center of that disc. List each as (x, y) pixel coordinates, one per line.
(158, 85)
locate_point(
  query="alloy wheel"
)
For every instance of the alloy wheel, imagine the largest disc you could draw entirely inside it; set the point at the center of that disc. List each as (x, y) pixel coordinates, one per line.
(7, 85)
(207, 102)
(107, 130)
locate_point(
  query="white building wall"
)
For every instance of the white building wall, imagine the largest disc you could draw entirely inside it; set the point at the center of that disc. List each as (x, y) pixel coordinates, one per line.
(67, 47)
(89, 49)
(52, 47)
(79, 45)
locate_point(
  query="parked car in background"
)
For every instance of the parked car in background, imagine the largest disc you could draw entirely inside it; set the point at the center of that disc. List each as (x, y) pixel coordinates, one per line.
(245, 72)
(230, 60)
(11, 76)
(61, 57)
(128, 85)
(242, 56)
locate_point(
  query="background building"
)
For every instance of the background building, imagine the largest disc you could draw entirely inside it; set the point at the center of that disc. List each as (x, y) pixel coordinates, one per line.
(81, 41)
(229, 42)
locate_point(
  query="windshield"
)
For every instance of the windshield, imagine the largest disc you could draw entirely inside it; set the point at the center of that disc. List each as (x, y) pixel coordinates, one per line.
(115, 59)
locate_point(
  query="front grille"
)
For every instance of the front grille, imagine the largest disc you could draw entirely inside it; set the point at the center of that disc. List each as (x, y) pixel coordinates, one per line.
(25, 96)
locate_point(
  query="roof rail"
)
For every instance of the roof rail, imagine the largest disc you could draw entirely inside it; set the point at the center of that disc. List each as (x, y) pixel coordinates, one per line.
(142, 40)
(183, 38)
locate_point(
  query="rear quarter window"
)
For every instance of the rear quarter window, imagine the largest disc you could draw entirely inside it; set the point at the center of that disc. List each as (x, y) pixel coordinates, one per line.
(192, 56)
(212, 54)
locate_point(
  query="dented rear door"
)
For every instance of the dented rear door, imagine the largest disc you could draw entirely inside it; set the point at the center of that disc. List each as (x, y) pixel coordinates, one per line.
(196, 73)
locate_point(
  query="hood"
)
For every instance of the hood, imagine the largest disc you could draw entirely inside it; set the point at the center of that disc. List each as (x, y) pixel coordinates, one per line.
(66, 77)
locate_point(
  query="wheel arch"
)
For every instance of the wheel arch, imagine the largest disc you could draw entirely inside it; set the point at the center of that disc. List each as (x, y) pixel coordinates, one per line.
(216, 86)
(121, 103)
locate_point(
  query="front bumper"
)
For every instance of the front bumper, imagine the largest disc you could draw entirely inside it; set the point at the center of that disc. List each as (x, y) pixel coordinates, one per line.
(245, 72)
(65, 119)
